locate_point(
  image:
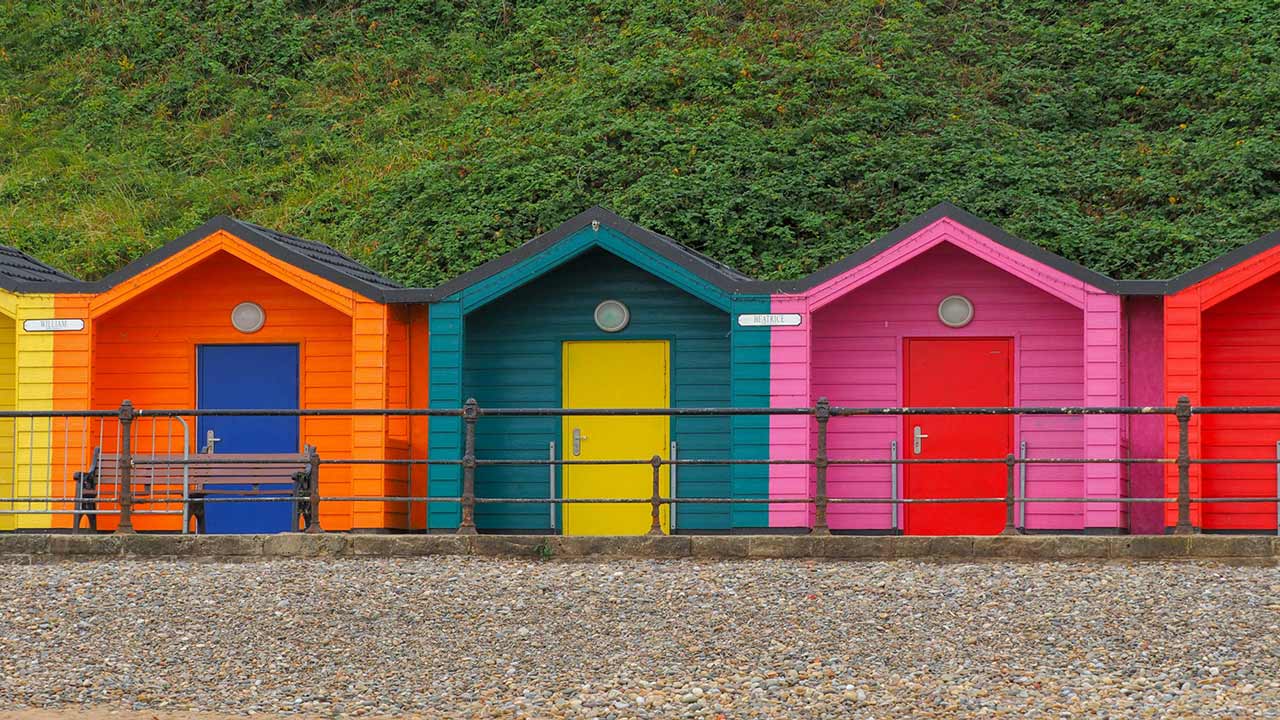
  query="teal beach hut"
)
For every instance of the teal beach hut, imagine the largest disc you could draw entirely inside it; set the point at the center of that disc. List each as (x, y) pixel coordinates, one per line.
(596, 313)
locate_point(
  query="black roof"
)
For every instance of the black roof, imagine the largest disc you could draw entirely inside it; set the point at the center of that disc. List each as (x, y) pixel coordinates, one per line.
(714, 272)
(1223, 262)
(973, 222)
(316, 258)
(324, 255)
(19, 272)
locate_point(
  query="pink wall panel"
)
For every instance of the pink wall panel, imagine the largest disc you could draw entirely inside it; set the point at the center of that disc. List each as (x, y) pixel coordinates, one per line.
(789, 387)
(856, 356)
(1103, 379)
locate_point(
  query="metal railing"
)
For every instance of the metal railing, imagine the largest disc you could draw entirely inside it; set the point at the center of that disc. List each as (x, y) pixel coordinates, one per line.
(126, 429)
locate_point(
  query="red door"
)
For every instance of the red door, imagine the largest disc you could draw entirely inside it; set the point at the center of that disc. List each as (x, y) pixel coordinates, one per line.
(950, 373)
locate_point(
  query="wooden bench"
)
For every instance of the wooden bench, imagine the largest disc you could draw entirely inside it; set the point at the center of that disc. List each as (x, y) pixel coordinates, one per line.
(164, 478)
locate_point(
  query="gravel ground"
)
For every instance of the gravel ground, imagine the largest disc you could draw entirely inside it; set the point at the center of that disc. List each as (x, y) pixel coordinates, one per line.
(465, 637)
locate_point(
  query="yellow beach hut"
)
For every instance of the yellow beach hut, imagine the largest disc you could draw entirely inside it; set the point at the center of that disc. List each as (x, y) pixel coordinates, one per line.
(30, 324)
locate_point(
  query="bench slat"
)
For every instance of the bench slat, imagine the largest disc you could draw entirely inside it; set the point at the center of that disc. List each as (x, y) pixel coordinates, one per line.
(239, 469)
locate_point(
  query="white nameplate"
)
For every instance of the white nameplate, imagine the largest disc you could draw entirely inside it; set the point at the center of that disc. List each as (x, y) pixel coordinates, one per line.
(53, 325)
(769, 320)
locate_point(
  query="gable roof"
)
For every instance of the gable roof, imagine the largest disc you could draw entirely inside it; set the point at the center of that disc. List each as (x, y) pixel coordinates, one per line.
(19, 272)
(716, 273)
(313, 257)
(1223, 262)
(977, 224)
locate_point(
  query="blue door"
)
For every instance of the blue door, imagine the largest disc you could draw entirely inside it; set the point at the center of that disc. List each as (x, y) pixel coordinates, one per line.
(248, 377)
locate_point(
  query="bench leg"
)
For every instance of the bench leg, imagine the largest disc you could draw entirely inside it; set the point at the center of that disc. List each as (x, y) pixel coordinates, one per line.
(82, 505)
(198, 513)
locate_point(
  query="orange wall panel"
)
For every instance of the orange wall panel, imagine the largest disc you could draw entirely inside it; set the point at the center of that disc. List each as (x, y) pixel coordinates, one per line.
(72, 437)
(417, 352)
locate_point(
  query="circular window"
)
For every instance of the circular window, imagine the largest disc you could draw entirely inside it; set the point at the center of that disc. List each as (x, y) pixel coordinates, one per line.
(955, 311)
(612, 316)
(248, 317)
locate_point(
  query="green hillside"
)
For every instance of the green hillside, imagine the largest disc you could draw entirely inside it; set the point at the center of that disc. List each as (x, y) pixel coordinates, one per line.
(1139, 138)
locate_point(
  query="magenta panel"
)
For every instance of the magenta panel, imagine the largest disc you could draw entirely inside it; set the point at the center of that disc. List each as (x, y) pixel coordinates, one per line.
(1145, 316)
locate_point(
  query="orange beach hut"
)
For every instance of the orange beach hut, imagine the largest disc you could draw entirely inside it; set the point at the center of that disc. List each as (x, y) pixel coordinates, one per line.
(233, 315)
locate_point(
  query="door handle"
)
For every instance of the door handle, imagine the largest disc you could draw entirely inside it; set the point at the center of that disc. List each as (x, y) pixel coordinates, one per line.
(916, 437)
(578, 437)
(209, 441)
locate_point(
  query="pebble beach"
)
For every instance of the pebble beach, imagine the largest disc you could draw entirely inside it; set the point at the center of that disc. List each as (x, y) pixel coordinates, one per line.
(464, 637)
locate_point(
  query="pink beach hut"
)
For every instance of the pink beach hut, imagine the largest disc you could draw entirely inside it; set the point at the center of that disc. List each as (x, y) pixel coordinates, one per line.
(949, 310)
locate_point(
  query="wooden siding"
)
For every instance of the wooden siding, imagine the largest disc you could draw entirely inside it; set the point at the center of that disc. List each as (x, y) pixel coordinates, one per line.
(144, 350)
(1240, 361)
(512, 357)
(418, 352)
(790, 387)
(445, 392)
(71, 388)
(745, 380)
(33, 387)
(749, 364)
(1091, 347)
(1145, 324)
(857, 361)
(1182, 378)
(8, 401)
(1188, 345)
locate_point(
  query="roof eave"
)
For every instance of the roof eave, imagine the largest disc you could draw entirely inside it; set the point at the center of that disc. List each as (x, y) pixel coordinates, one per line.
(1223, 262)
(659, 244)
(246, 233)
(969, 220)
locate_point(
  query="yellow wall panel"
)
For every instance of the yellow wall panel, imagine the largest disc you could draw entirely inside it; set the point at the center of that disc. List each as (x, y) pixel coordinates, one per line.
(33, 441)
(8, 378)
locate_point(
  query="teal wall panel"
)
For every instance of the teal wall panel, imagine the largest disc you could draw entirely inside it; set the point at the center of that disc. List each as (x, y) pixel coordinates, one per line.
(512, 357)
(750, 372)
(445, 392)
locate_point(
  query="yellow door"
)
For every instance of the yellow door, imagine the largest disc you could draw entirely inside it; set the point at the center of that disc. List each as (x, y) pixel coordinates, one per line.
(614, 374)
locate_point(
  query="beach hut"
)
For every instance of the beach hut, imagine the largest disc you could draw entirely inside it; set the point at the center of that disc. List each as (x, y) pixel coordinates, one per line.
(1222, 347)
(600, 313)
(236, 316)
(949, 310)
(32, 330)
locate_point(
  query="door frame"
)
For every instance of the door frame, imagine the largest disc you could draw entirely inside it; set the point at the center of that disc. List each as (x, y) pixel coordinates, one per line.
(905, 433)
(562, 441)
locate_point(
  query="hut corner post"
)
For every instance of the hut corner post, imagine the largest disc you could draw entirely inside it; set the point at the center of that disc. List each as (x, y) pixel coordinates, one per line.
(821, 411)
(127, 414)
(470, 411)
(1182, 411)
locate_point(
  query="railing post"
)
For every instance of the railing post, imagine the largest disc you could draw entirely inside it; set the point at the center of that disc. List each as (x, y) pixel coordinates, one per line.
(1010, 525)
(1182, 411)
(822, 411)
(313, 491)
(655, 501)
(470, 411)
(126, 468)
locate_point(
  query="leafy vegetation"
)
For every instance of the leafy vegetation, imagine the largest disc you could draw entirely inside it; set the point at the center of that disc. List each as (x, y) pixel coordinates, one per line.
(426, 136)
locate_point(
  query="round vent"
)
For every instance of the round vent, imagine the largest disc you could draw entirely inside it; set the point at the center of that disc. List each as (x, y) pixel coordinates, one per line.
(612, 316)
(248, 317)
(955, 311)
